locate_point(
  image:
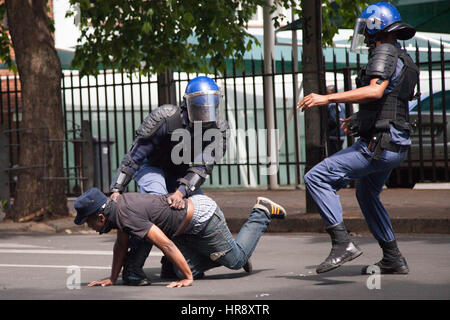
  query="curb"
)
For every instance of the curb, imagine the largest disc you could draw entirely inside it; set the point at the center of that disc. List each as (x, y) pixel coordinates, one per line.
(62, 225)
(236, 216)
(291, 224)
(354, 225)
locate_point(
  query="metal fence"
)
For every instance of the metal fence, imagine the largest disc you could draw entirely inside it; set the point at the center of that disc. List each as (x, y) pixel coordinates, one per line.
(108, 108)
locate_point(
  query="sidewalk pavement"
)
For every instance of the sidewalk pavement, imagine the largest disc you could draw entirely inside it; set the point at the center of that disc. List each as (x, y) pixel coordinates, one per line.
(411, 211)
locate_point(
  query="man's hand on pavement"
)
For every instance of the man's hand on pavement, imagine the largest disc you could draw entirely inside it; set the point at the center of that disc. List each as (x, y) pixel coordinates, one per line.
(181, 283)
(103, 283)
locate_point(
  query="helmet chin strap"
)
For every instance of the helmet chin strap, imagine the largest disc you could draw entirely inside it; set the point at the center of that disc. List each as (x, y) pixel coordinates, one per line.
(371, 42)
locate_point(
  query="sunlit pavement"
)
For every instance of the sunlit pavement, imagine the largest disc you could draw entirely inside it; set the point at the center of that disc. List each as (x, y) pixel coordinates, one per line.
(42, 266)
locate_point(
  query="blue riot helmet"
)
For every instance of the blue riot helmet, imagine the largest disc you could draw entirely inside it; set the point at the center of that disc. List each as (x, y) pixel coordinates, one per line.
(379, 18)
(202, 98)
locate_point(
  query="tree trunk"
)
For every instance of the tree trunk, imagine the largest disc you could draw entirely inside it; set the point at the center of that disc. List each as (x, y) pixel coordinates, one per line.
(40, 188)
(313, 82)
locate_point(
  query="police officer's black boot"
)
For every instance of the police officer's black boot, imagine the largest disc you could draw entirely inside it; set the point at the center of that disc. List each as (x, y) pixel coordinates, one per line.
(133, 273)
(342, 250)
(392, 262)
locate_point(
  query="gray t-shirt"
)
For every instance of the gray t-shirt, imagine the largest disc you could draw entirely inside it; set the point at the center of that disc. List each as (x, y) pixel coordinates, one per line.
(137, 213)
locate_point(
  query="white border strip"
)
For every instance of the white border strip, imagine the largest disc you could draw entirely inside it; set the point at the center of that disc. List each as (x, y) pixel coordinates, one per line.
(51, 266)
(76, 252)
(432, 186)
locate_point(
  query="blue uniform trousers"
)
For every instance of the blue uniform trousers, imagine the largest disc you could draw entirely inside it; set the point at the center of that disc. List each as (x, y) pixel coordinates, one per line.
(354, 163)
(151, 179)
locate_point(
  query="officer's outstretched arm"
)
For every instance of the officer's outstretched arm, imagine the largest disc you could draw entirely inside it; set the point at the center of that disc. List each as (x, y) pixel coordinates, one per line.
(373, 91)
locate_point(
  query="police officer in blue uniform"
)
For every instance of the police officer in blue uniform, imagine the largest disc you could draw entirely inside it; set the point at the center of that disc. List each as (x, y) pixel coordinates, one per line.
(384, 88)
(150, 160)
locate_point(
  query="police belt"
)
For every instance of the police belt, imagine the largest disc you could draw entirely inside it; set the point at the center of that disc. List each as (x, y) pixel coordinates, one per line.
(396, 147)
(382, 141)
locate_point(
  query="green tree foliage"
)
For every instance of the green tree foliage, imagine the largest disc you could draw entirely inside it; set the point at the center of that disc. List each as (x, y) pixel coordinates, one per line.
(340, 14)
(191, 35)
(5, 43)
(153, 36)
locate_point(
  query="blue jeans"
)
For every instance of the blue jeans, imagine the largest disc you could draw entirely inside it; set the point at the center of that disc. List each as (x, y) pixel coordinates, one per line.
(150, 179)
(214, 246)
(354, 163)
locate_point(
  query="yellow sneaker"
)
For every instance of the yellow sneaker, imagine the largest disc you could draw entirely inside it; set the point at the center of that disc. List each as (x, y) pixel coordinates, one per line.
(276, 211)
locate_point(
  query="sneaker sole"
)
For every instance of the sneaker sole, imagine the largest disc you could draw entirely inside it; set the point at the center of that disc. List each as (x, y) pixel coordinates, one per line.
(272, 203)
(342, 262)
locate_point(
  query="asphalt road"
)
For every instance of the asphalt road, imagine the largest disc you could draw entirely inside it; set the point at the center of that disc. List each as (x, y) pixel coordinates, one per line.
(55, 267)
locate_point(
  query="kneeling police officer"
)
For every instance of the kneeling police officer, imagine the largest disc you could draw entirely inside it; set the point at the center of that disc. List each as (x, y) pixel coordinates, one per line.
(149, 161)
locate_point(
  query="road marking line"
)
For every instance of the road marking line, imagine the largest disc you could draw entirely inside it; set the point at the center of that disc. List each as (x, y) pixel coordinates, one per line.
(77, 252)
(51, 266)
(18, 245)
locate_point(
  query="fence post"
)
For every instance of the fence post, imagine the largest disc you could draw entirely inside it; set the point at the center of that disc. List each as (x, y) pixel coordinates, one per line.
(4, 164)
(166, 88)
(87, 159)
(269, 44)
(347, 72)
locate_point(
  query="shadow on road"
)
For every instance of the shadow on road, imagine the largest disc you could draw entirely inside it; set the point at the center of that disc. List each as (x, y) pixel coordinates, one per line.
(323, 279)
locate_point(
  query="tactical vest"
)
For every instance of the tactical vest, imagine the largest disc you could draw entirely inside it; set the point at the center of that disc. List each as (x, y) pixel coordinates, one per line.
(392, 108)
(161, 157)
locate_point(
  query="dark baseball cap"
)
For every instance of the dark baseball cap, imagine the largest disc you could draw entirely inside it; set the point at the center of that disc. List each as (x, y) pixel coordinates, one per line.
(89, 203)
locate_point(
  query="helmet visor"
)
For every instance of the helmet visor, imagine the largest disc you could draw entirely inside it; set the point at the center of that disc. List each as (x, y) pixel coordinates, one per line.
(359, 35)
(203, 106)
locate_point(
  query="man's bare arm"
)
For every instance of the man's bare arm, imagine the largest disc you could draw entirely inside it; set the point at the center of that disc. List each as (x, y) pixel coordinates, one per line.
(171, 251)
(119, 254)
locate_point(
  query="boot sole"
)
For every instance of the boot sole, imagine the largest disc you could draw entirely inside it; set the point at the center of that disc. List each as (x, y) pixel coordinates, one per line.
(352, 257)
(403, 271)
(400, 270)
(137, 283)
